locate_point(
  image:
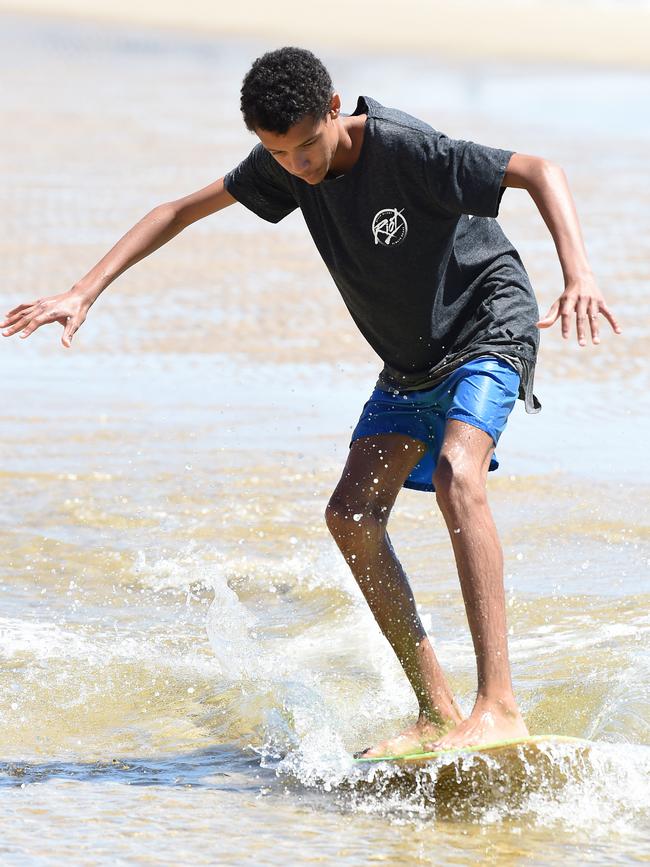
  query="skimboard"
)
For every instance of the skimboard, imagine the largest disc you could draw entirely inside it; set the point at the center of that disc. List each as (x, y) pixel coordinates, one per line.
(506, 749)
(465, 782)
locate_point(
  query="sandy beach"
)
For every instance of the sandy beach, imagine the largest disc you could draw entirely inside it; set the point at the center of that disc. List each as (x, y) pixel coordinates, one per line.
(615, 34)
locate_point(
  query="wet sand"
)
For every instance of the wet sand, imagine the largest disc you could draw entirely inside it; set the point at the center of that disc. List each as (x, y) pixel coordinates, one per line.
(184, 656)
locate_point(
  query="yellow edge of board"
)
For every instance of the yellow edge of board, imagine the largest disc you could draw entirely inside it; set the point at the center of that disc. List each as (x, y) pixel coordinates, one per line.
(497, 745)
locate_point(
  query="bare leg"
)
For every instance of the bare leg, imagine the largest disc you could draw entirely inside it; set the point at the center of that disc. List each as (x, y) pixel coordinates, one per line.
(460, 488)
(356, 516)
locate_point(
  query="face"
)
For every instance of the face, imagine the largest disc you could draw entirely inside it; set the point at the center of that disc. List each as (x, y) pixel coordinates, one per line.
(307, 148)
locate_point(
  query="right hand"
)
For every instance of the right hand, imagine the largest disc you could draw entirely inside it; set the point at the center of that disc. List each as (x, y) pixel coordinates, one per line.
(69, 308)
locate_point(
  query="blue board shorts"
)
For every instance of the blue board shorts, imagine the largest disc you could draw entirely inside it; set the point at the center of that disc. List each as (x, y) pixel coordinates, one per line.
(481, 392)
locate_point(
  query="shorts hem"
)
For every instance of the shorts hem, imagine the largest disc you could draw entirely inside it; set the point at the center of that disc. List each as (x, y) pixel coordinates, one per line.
(472, 420)
(419, 486)
(358, 434)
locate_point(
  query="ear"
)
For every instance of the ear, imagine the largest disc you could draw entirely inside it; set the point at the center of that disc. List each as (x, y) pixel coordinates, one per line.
(335, 106)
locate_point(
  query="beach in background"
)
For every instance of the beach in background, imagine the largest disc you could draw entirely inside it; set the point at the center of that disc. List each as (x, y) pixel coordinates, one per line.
(186, 664)
(602, 32)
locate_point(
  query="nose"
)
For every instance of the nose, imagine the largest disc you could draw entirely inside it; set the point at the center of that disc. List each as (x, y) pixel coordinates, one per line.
(300, 164)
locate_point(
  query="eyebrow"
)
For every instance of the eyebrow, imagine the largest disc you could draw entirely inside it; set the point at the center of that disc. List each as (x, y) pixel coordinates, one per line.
(308, 139)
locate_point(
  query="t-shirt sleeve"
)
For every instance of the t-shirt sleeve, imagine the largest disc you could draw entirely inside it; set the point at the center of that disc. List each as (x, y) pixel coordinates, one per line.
(258, 182)
(464, 177)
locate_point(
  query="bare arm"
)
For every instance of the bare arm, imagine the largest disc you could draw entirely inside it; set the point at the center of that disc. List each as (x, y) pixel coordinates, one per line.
(550, 191)
(155, 229)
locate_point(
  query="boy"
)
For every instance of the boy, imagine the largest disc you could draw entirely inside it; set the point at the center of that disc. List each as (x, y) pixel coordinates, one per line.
(404, 220)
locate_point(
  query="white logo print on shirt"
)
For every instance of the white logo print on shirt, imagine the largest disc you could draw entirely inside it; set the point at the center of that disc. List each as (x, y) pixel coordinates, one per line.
(389, 227)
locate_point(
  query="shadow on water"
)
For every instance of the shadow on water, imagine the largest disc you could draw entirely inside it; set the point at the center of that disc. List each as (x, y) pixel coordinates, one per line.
(216, 768)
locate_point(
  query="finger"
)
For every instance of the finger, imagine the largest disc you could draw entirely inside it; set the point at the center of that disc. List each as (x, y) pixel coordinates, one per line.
(550, 317)
(69, 331)
(593, 320)
(11, 318)
(20, 307)
(581, 320)
(35, 323)
(609, 316)
(17, 326)
(566, 312)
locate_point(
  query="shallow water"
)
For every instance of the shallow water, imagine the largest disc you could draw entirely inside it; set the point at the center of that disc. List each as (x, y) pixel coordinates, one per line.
(186, 663)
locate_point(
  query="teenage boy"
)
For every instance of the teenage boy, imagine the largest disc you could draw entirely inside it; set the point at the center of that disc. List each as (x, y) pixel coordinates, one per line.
(403, 217)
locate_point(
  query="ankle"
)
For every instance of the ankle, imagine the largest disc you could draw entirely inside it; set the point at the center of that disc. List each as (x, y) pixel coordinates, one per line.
(502, 703)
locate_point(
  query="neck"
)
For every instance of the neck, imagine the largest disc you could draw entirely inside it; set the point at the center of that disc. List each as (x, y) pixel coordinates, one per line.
(351, 132)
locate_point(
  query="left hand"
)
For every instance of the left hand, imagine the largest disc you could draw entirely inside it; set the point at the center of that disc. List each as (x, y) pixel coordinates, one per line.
(583, 299)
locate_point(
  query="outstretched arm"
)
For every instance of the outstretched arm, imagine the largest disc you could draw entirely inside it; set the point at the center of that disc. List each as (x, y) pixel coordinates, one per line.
(159, 226)
(548, 187)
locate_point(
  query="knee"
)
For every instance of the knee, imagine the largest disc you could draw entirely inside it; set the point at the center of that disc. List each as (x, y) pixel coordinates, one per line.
(459, 483)
(351, 521)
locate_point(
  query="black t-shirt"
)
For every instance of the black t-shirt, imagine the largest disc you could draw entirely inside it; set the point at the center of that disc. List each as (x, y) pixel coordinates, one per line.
(410, 239)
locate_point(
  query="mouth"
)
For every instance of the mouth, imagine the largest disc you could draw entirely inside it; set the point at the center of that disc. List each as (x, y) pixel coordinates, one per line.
(310, 178)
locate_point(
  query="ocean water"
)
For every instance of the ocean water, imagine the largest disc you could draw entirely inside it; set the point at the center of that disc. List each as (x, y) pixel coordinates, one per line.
(186, 663)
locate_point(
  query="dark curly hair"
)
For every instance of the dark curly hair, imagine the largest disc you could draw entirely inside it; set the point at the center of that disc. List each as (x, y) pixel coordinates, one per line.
(284, 86)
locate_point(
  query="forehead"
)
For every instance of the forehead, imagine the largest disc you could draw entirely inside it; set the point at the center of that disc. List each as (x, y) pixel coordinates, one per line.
(294, 136)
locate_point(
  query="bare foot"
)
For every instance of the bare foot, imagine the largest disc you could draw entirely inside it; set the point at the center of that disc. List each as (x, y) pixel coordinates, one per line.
(411, 740)
(490, 721)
